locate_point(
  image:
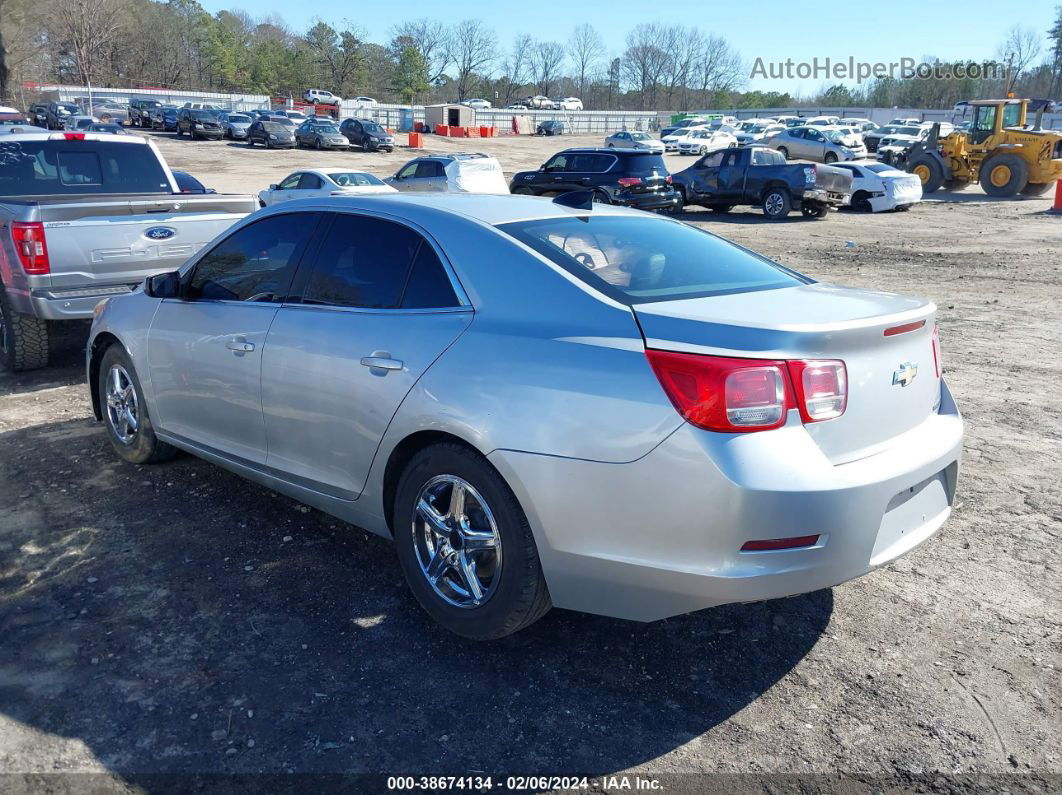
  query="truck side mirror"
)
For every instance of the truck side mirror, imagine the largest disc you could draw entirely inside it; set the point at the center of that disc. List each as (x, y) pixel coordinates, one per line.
(163, 285)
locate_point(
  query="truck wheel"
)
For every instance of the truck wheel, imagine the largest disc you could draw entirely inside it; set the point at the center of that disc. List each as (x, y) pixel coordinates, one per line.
(23, 339)
(928, 172)
(1034, 189)
(1004, 175)
(776, 204)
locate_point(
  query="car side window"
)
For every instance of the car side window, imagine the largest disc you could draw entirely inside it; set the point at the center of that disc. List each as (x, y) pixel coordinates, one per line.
(310, 182)
(362, 262)
(428, 286)
(255, 263)
(730, 157)
(557, 163)
(409, 170)
(713, 160)
(813, 135)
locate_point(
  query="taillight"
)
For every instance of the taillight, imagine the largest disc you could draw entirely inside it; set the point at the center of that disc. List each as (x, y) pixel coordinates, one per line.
(724, 394)
(31, 247)
(821, 388)
(628, 181)
(741, 395)
(668, 180)
(938, 362)
(74, 136)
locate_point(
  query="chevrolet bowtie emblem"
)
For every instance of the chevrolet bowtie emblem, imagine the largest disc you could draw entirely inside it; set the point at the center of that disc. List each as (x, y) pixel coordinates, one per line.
(905, 374)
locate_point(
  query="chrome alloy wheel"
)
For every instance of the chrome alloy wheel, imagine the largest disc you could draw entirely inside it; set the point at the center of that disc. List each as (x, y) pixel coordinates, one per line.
(774, 204)
(456, 541)
(123, 410)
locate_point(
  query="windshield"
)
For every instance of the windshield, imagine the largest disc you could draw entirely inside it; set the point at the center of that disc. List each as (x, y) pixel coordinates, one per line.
(636, 260)
(639, 136)
(346, 179)
(274, 127)
(329, 129)
(757, 129)
(909, 131)
(42, 168)
(833, 135)
(202, 115)
(69, 107)
(235, 118)
(376, 129)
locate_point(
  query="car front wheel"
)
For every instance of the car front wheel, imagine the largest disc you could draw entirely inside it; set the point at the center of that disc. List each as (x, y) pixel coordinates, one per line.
(125, 414)
(465, 545)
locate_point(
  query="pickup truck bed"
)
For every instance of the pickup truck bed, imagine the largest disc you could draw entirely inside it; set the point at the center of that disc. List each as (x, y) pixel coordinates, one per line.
(756, 175)
(62, 253)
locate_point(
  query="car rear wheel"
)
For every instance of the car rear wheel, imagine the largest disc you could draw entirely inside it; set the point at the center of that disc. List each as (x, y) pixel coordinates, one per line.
(317, 144)
(776, 204)
(465, 545)
(125, 414)
(861, 201)
(783, 152)
(602, 197)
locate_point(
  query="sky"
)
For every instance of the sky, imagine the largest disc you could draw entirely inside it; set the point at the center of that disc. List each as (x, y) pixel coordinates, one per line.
(773, 30)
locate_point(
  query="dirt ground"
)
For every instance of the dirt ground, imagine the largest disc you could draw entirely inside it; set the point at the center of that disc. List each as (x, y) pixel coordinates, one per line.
(178, 619)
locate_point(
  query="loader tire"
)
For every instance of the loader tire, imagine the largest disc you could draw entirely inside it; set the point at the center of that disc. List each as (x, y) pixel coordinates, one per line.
(929, 172)
(1037, 189)
(1004, 175)
(23, 339)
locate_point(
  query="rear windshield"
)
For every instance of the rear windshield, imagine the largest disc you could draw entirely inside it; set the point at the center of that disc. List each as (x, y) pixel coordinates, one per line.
(649, 163)
(274, 127)
(641, 259)
(42, 168)
(353, 178)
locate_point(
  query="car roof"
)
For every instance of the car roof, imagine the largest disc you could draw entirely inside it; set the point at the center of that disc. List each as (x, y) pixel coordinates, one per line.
(608, 150)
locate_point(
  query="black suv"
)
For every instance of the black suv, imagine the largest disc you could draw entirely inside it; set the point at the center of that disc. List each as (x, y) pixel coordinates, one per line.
(632, 177)
(271, 134)
(199, 124)
(367, 134)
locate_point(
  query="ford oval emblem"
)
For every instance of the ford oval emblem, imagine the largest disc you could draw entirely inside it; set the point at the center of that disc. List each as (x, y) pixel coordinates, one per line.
(160, 233)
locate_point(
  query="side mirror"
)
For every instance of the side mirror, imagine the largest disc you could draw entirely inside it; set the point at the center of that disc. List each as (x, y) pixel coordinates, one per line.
(163, 285)
(273, 187)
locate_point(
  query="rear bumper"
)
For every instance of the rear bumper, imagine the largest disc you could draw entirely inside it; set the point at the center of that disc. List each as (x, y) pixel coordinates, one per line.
(71, 304)
(662, 535)
(825, 196)
(649, 201)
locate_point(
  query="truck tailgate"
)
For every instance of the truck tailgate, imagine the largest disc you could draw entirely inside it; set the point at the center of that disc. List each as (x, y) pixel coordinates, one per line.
(833, 179)
(101, 243)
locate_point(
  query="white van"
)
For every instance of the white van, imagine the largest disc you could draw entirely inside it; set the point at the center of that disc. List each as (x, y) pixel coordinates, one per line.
(320, 97)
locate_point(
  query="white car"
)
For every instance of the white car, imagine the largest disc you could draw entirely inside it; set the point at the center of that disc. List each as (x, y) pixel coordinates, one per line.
(568, 103)
(877, 187)
(633, 140)
(672, 140)
(478, 104)
(707, 140)
(311, 183)
(320, 97)
(364, 102)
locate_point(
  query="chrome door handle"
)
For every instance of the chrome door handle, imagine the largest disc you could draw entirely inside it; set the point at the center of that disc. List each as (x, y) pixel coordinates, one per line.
(381, 360)
(239, 345)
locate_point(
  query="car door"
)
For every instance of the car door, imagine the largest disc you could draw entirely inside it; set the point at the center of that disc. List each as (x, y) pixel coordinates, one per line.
(706, 174)
(287, 189)
(377, 307)
(557, 176)
(814, 145)
(204, 350)
(731, 180)
(311, 186)
(431, 176)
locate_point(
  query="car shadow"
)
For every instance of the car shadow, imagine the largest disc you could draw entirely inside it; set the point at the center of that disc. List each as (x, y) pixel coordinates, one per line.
(179, 619)
(66, 362)
(739, 215)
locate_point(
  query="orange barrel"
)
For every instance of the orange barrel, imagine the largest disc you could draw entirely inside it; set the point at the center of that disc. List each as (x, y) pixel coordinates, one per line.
(415, 140)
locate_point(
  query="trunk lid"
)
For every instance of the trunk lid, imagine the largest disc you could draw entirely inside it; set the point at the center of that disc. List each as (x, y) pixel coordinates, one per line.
(892, 383)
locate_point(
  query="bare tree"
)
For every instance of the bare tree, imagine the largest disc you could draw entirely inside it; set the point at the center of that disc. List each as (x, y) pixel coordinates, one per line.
(472, 49)
(645, 60)
(430, 37)
(546, 60)
(518, 65)
(719, 68)
(85, 28)
(585, 48)
(1017, 52)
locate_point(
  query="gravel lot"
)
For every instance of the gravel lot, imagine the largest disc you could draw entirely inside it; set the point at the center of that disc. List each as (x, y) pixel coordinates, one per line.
(179, 619)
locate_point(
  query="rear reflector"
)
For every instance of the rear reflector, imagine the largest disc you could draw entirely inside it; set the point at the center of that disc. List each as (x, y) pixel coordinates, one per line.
(770, 544)
(31, 247)
(892, 332)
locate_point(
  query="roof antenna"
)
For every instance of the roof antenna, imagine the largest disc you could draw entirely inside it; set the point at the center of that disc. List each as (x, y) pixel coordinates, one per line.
(578, 199)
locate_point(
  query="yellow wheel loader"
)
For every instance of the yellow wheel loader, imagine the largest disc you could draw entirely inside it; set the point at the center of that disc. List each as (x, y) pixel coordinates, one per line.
(1001, 151)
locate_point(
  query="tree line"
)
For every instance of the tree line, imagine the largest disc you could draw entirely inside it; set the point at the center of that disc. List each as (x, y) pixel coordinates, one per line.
(177, 44)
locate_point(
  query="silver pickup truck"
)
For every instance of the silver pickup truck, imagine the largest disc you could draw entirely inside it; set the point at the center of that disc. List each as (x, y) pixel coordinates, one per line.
(84, 216)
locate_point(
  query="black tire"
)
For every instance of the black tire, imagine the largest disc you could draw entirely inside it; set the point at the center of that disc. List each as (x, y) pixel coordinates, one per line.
(250, 142)
(143, 447)
(1036, 189)
(929, 171)
(520, 596)
(830, 158)
(601, 197)
(1019, 175)
(776, 203)
(784, 152)
(814, 211)
(861, 201)
(523, 190)
(23, 339)
(317, 144)
(722, 209)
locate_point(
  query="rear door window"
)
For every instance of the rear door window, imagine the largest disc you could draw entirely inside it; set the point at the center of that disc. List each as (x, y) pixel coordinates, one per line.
(41, 168)
(310, 182)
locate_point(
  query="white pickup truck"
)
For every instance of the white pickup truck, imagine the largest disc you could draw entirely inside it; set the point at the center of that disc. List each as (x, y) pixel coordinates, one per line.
(84, 216)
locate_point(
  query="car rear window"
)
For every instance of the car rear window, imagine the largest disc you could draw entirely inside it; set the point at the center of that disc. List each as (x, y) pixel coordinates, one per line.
(641, 259)
(43, 168)
(649, 163)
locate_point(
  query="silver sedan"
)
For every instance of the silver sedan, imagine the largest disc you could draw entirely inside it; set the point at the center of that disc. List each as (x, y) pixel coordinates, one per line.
(542, 404)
